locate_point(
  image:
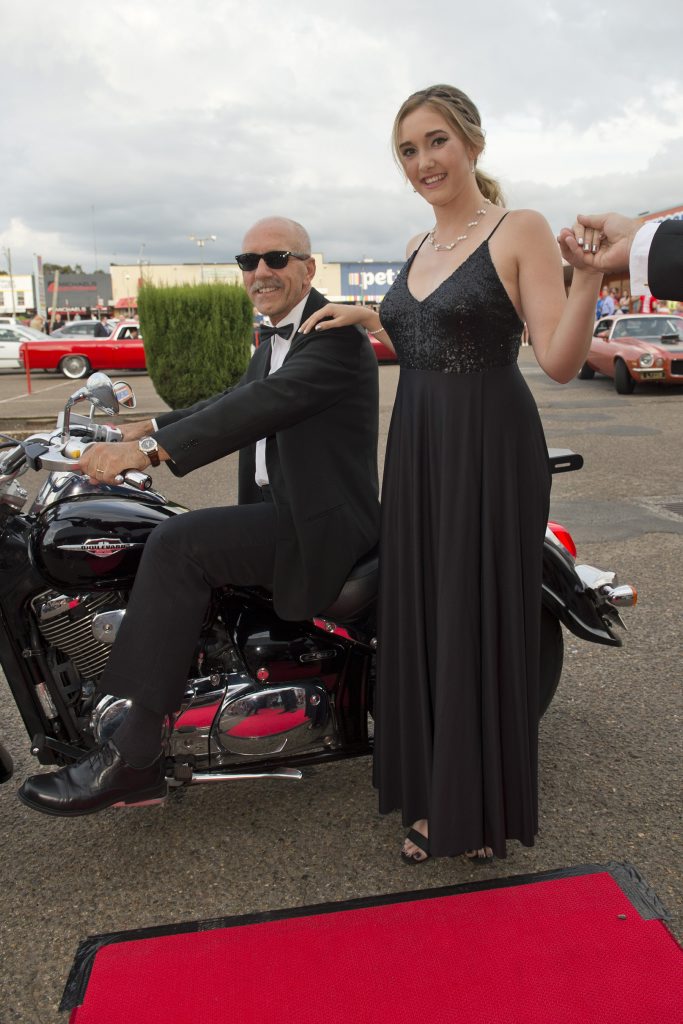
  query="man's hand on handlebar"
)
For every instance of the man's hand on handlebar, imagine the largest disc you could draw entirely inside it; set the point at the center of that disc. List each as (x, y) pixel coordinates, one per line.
(103, 463)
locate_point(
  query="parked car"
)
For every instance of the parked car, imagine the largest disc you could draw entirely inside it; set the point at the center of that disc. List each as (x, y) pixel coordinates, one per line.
(83, 329)
(636, 347)
(11, 339)
(77, 357)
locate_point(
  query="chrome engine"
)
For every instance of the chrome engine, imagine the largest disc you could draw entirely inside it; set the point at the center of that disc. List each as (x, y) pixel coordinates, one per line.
(227, 718)
(66, 623)
(231, 719)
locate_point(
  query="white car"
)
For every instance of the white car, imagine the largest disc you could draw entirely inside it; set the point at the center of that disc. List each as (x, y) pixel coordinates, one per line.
(11, 338)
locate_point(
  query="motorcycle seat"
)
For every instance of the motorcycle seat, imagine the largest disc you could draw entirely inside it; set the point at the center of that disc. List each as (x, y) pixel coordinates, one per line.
(359, 593)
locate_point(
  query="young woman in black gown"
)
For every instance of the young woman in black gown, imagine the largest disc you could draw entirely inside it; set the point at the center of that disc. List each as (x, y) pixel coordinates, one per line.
(465, 492)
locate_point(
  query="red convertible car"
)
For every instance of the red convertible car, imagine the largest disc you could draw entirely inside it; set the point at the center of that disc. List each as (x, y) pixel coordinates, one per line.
(636, 347)
(77, 357)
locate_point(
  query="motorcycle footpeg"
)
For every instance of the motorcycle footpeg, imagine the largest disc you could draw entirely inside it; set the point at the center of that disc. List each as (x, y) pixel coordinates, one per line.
(42, 744)
(182, 773)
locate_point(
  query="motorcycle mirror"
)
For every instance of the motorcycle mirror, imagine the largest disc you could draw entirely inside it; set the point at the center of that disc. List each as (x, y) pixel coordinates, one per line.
(100, 393)
(124, 394)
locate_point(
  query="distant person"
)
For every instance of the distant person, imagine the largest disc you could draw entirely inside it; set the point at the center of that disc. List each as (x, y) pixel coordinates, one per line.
(37, 322)
(613, 243)
(605, 304)
(133, 333)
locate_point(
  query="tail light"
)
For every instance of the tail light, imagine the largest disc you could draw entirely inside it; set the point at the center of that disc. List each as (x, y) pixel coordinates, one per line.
(564, 537)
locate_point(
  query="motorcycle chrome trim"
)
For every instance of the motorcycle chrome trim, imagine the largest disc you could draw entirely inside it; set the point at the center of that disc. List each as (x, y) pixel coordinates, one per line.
(46, 702)
(273, 773)
(271, 720)
(106, 625)
(624, 596)
(56, 606)
(73, 634)
(202, 695)
(101, 547)
(13, 494)
(107, 717)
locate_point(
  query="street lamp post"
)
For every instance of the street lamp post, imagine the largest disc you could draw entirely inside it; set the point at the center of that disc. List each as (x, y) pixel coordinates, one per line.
(8, 254)
(201, 242)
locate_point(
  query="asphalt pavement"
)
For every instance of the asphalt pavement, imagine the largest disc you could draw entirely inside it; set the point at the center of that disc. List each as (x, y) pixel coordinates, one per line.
(610, 746)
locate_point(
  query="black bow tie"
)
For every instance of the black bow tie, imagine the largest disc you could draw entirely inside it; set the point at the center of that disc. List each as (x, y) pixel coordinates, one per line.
(266, 332)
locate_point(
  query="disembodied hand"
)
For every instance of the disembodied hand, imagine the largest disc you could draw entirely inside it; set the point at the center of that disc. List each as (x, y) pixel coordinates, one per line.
(599, 241)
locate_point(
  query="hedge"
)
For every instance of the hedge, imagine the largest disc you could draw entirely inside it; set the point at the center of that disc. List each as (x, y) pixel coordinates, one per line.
(197, 339)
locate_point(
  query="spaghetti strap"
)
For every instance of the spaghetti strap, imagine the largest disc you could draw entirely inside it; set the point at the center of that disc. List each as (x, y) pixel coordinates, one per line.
(497, 225)
(416, 251)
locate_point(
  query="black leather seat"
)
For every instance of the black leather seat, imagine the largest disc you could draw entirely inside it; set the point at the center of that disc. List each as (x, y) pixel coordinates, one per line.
(359, 593)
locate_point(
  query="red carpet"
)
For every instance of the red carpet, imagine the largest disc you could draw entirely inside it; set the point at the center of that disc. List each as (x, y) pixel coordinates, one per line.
(567, 947)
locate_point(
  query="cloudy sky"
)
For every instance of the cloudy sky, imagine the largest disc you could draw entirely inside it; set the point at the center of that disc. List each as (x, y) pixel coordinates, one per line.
(128, 126)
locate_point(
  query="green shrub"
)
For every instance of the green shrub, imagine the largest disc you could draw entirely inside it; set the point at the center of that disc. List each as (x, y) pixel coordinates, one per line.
(197, 339)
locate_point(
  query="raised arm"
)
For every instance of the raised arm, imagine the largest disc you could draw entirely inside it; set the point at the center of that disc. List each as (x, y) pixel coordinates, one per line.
(560, 328)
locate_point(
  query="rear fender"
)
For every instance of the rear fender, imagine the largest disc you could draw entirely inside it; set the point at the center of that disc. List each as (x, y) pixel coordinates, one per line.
(574, 604)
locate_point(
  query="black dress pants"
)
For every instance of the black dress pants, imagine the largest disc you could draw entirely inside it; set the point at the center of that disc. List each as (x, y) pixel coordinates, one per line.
(183, 560)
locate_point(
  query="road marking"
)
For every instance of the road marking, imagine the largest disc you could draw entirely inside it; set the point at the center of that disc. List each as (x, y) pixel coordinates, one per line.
(26, 394)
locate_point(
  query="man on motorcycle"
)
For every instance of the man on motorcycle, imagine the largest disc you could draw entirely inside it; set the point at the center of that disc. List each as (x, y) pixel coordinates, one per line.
(305, 418)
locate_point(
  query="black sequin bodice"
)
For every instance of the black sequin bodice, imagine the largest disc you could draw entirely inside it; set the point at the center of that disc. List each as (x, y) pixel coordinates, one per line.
(466, 325)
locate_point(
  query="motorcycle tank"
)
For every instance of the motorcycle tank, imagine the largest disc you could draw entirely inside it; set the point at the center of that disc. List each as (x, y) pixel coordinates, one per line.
(92, 542)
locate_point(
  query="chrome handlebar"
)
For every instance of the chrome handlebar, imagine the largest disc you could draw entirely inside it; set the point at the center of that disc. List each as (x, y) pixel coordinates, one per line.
(56, 454)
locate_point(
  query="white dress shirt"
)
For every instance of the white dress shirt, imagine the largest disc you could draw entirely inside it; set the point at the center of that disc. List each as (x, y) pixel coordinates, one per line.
(279, 347)
(640, 251)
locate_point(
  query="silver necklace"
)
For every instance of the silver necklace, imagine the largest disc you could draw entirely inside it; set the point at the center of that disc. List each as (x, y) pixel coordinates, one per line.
(443, 247)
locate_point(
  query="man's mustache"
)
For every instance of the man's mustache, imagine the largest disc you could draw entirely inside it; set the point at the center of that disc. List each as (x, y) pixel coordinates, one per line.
(256, 288)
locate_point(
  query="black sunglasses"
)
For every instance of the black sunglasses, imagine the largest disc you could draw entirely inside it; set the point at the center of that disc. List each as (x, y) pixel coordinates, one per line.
(276, 260)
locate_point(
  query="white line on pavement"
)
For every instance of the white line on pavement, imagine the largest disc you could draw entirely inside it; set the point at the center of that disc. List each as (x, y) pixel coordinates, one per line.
(15, 398)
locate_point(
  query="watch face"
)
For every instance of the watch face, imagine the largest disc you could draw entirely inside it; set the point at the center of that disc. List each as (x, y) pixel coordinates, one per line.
(148, 444)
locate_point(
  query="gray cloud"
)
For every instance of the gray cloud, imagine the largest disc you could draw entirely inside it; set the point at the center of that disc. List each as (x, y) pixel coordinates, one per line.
(136, 126)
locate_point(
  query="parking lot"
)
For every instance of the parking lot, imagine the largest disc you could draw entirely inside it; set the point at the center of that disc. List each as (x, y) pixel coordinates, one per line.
(610, 753)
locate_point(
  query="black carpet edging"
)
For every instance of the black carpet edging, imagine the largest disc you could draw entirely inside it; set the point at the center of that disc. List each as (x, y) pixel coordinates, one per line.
(643, 899)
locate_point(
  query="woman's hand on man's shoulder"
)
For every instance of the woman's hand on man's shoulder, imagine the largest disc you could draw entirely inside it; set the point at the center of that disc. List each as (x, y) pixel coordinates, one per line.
(337, 314)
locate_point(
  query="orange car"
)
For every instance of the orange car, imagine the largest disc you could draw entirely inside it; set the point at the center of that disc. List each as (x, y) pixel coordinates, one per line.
(636, 347)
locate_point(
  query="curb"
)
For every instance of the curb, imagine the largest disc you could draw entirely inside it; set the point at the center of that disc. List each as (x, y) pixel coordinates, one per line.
(22, 426)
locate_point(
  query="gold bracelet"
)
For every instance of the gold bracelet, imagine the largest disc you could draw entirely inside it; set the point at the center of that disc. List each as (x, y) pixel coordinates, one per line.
(378, 331)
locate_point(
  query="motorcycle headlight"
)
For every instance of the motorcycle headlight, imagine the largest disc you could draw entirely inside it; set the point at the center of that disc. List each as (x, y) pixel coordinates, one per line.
(647, 359)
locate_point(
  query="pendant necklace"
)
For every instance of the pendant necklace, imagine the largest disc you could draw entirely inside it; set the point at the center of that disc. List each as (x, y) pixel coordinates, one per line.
(443, 247)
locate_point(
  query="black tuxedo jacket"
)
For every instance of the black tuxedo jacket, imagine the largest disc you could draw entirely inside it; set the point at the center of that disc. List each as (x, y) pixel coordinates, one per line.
(319, 413)
(665, 261)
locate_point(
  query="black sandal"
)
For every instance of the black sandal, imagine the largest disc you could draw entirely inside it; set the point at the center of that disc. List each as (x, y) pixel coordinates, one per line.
(422, 843)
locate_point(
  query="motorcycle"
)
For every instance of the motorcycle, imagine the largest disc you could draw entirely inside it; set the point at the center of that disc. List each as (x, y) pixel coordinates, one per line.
(6, 765)
(265, 697)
